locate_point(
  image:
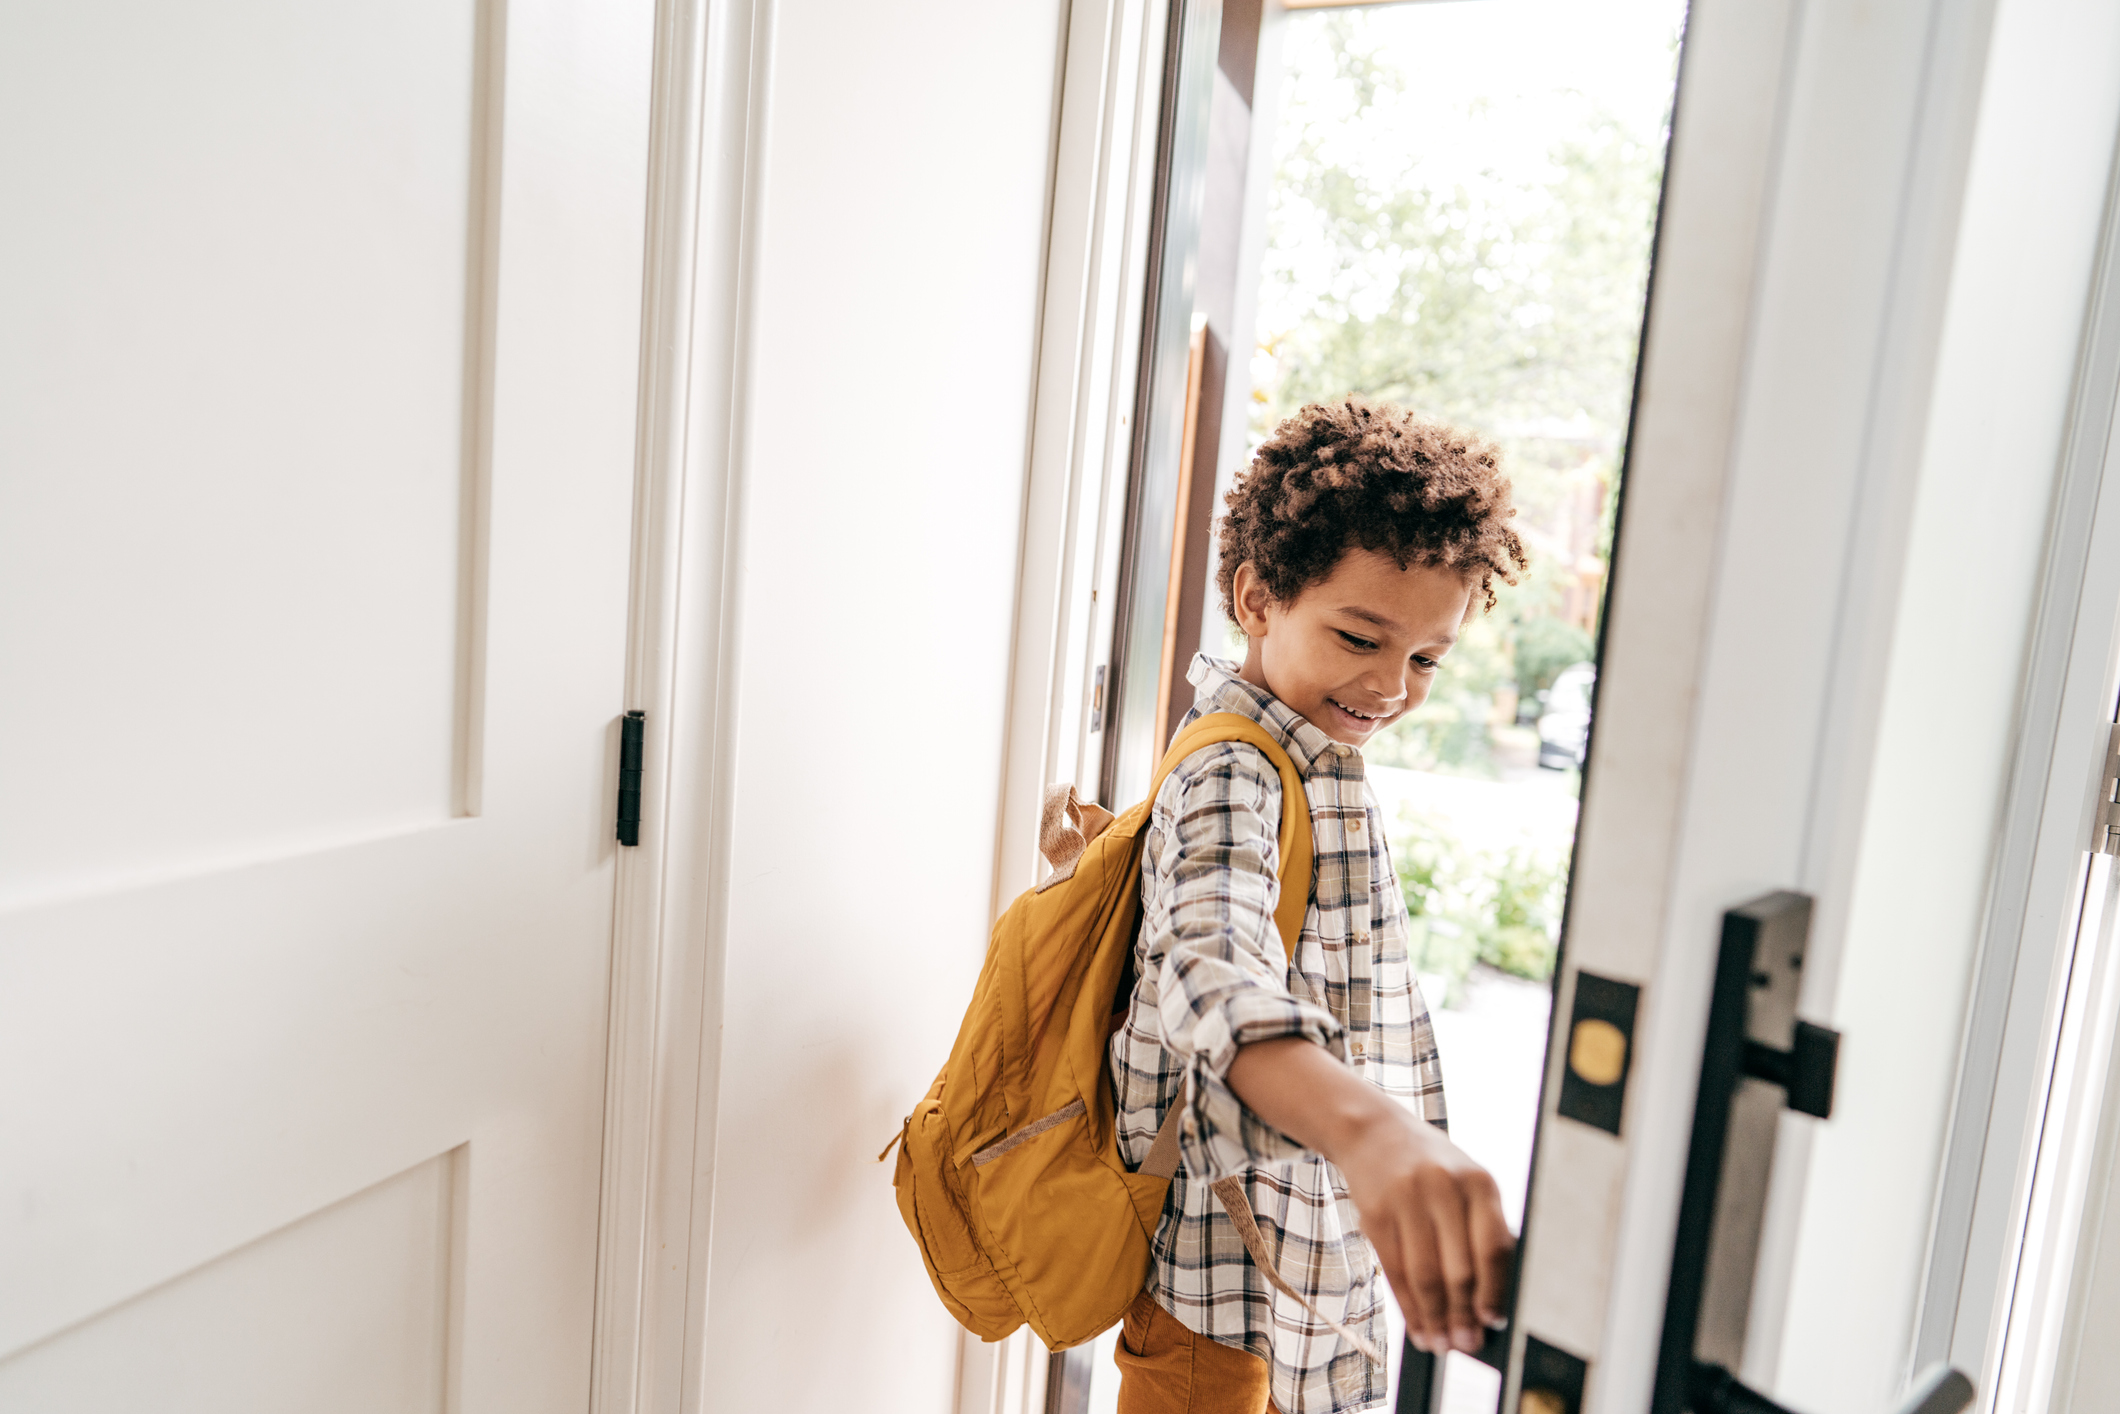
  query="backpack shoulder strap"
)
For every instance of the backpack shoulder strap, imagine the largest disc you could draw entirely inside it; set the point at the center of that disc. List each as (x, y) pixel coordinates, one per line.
(1295, 847)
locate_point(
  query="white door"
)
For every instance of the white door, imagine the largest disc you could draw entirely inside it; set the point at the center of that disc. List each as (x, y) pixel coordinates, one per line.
(318, 335)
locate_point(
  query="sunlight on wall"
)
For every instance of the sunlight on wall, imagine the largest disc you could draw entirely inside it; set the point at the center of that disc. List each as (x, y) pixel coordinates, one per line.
(905, 192)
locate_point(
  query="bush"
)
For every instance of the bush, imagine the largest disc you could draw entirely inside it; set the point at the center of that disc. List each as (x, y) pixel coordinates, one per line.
(1529, 888)
(1501, 908)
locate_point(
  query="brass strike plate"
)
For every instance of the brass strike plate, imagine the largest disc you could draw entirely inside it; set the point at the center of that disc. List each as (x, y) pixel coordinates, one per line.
(1553, 1380)
(1600, 1050)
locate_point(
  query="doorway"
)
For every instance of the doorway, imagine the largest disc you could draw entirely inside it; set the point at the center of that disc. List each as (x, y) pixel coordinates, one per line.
(1450, 207)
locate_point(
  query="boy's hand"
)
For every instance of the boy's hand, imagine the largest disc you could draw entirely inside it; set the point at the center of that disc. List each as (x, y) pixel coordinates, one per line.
(1435, 1219)
(1433, 1215)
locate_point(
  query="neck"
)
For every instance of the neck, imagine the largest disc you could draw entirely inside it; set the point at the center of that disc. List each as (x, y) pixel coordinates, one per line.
(1254, 669)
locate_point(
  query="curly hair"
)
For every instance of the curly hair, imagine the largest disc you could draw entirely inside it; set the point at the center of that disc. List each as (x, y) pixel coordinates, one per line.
(1370, 475)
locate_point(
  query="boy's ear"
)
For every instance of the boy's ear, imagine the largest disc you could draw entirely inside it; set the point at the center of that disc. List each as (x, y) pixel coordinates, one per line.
(1251, 598)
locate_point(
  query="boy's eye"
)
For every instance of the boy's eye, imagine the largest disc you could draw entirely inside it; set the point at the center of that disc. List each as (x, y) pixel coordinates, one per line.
(1426, 665)
(1362, 643)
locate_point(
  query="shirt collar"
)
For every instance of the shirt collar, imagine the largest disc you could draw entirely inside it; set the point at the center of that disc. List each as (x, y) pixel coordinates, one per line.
(1219, 689)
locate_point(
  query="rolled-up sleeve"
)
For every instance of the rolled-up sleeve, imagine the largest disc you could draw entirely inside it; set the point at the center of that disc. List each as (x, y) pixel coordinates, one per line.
(1222, 974)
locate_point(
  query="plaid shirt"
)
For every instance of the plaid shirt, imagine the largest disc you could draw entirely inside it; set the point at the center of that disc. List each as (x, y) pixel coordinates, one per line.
(1212, 978)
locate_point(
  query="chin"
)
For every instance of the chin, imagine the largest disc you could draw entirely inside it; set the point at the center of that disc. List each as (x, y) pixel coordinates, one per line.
(1369, 737)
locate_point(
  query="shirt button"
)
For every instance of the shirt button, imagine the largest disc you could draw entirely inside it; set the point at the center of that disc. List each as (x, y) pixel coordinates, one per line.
(1358, 1050)
(1355, 824)
(1361, 940)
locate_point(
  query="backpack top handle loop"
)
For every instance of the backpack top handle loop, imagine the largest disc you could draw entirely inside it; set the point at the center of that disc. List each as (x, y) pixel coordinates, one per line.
(1066, 825)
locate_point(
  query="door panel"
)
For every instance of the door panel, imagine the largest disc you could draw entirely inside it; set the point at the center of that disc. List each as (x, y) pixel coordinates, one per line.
(319, 331)
(249, 238)
(345, 1312)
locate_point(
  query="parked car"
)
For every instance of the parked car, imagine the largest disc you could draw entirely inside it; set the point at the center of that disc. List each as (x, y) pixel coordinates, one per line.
(1564, 726)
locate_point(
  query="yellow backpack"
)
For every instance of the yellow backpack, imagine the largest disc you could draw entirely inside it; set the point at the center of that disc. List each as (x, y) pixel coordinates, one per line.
(1009, 1175)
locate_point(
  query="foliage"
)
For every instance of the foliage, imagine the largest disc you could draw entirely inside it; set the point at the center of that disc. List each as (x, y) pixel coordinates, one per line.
(1501, 908)
(1508, 301)
(1511, 303)
(1432, 865)
(1545, 645)
(1529, 887)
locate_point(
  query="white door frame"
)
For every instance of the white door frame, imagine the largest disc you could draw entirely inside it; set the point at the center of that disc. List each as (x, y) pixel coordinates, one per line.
(1104, 174)
(2014, 1021)
(708, 138)
(1081, 421)
(1764, 529)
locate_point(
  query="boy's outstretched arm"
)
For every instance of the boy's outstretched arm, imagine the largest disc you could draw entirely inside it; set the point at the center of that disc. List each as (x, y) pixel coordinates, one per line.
(1433, 1215)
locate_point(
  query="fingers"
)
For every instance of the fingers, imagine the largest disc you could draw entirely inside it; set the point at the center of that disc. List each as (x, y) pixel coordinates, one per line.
(1435, 1218)
(1418, 1281)
(1448, 1254)
(1424, 1277)
(1447, 1210)
(1493, 1248)
(1393, 1259)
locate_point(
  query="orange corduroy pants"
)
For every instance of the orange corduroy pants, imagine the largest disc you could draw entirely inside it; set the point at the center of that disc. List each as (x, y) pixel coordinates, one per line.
(1165, 1368)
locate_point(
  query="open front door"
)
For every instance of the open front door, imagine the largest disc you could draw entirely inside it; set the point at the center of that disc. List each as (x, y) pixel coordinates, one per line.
(1761, 857)
(318, 330)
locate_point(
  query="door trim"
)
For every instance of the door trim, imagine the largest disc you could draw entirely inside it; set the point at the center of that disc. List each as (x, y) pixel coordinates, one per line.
(2013, 1016)
(704, 197)
(1089, 338)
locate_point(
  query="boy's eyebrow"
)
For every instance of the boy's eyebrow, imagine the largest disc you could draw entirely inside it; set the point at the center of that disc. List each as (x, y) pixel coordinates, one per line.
(1369, 616)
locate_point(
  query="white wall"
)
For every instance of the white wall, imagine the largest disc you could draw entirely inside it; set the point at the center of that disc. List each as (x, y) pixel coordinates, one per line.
(2036, 193)
(895, 308)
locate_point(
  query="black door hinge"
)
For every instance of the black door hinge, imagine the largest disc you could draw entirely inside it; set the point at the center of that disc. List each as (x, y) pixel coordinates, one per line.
(630, 732)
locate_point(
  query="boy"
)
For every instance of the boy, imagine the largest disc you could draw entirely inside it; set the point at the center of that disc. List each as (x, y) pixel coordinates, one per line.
(1355, 547)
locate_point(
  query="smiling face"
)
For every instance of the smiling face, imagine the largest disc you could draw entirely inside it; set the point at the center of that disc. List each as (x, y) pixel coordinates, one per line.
(1358, 649)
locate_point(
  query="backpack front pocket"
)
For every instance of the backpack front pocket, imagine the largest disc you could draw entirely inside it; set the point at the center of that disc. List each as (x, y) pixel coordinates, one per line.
(1063, 1223)
(934, 1209)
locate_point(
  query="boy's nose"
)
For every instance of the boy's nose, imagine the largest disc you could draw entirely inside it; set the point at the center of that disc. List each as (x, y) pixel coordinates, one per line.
(1388, 691)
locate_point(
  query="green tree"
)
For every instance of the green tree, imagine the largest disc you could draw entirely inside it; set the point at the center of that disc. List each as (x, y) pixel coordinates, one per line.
(1543, 647)
(1506, 301)
(1512, 305)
